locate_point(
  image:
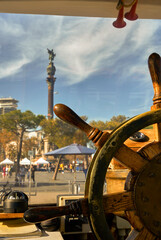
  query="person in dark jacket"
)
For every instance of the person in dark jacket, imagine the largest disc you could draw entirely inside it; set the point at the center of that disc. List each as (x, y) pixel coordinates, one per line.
(33, 174)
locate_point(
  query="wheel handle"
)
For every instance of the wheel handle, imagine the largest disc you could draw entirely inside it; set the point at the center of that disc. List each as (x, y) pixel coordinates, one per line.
(68, 115)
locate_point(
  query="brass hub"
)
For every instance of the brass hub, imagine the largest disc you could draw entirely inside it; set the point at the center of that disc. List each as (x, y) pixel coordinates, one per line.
(147, 195)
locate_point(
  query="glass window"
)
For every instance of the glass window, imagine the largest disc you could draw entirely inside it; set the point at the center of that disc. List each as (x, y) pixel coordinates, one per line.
(99, 72)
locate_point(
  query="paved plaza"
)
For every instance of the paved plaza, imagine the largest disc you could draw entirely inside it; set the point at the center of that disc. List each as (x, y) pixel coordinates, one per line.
(46, 189)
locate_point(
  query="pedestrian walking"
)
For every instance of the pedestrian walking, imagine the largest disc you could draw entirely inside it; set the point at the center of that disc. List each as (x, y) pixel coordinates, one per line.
(70, 167)
(33, 174)
(22, 175)
(85, 167)
(4, 172)
(9, 171)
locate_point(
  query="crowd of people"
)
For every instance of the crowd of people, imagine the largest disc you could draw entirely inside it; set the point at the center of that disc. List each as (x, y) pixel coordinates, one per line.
(72, 167)
(24, 172)
(6, 171)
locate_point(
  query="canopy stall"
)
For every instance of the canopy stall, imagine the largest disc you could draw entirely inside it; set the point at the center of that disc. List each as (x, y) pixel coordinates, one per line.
(72, 149)
(41, 161)
(25, 161)
(7, 162)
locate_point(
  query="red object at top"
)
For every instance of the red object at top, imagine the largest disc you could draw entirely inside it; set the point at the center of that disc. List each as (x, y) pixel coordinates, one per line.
(132, 14)
(120, 23)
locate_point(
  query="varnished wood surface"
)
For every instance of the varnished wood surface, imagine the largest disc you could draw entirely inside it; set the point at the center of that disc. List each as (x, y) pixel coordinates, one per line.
(118, 202)
(130, 158)
(145, 235)
(68, 115)
(134, 220)
(11, 215)
(137, 145)
(149, 151)
(134, 146)
(154, 63)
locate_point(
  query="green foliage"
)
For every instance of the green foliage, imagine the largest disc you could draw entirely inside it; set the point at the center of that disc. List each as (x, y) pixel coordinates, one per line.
(112, 125)
(119, 118)
(18, 123)
(109, 125)
(12, 151)
(28, 144)
(61, 133)
(5, 138)
(80, 137)
(99, 124)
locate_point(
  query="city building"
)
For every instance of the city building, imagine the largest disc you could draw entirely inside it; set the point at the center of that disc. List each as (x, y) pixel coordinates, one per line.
(7, 105)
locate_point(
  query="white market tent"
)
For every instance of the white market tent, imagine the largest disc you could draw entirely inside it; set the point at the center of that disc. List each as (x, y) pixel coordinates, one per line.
(25, 161)
(7, 161)
(41, 161)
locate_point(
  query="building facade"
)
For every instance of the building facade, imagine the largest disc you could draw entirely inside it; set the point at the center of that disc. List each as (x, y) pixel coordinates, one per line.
(7, 105)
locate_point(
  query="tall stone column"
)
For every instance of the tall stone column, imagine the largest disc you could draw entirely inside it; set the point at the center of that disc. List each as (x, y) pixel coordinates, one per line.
(51, 81)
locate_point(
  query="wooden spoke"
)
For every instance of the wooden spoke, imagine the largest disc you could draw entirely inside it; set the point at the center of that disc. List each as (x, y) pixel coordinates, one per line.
(130, 159)
(112, 203)
(150, 150)
(134, 220)
(117, 202)
(132, 235)
(145, 234)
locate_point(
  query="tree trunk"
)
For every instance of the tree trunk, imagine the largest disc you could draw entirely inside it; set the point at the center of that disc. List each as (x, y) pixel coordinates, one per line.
(56, 168)
(19, 155)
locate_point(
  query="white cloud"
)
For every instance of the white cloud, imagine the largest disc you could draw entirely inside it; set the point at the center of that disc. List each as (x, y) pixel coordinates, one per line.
(12, 68)
(83, 46)
(143, 33)
(10, 28)
(82, 54)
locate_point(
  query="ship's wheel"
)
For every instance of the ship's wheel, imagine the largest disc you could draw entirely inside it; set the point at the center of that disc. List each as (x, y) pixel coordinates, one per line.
(141, 201)
(143, 195)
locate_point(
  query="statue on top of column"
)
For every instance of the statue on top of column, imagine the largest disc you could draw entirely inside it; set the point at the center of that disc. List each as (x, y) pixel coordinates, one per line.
(51, 68)
(51, 55)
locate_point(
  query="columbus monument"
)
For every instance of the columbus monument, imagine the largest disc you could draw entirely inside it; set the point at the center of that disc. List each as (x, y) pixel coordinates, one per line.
(50, 81)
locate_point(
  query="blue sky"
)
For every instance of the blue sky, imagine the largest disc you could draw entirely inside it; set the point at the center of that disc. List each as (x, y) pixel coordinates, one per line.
(101, 71)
